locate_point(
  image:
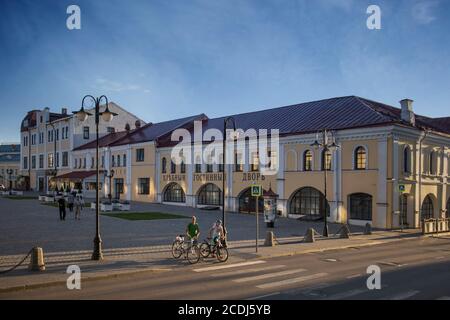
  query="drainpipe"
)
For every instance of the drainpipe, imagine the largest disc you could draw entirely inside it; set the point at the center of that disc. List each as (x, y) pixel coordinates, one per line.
(422, 138)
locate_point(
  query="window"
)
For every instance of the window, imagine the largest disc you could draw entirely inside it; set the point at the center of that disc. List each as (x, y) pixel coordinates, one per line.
(198, 165)
(118, 186)
(307, 160)
(360, 158)
(432, 163)
(50, 160)
(407, 160)
(103, 161)
(25, 140)
(173, 167)
(110, 129)
(163, 165)
(33, 139)
(144, 185)
(210, 194)
(427, 211)
(238, 166)
(360, 206)
(118, 160)
(25, 163)
(255, 162)
(309, 202)
(84, 163)
(33, 162)
(209, 167)
(326, 160)
(57, 135)
(57, 159)
(41, 161)
(124, 160)
(65, 159)
(139, 155)
(182, 167)
(92, 162)
(403, 218)
(76, 163)
(86, 133)
(174, 193)
(113, 161)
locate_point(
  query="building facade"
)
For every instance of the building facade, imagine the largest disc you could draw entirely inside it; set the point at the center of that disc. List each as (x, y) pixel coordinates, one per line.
(10, 166)
(48, 139)
(391, 166)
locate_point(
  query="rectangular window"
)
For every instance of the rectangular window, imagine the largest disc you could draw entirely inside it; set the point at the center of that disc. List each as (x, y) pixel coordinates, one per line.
(124, 160)
(144, 185)
(113, 161)
(57, 159)
(110, 129)
(86, 133)
(118, 160)
(57, 134)
(103, 161)
(65, 159)
(255, 162)
(92, 163)
(50, 160)
(198, 168)
(25, 163)
(41, 161)
(33, 162)
(84, 163)
(139, 155)
(173, 167)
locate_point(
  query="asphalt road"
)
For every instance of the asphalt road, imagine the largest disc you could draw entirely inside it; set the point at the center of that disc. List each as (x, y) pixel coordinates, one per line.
(410, 269)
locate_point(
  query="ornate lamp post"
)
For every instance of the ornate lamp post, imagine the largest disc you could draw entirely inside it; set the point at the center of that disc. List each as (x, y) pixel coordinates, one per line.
(327, 146)
(225, 123)
(107, 116)
(110, 176)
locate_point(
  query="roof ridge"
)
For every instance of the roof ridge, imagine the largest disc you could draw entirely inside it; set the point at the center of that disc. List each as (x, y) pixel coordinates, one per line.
(364, 101)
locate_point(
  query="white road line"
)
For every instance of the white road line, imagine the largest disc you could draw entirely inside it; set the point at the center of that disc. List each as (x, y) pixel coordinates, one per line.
(264, 296)
(404, 295)
(227, 266)
(236, 272)
(291, 281)
(269, 275)
(345, 295)
(354, 276)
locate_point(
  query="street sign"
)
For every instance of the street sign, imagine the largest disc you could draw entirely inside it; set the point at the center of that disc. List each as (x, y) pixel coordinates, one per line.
(401, 188)
(256, 190)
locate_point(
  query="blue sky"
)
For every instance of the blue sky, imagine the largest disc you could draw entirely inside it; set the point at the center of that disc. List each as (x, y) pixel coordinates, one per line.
(167, 59)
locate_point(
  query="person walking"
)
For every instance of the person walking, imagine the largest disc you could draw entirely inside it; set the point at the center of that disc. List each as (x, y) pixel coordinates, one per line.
(78, 206)
(70, 200)
(62, 208)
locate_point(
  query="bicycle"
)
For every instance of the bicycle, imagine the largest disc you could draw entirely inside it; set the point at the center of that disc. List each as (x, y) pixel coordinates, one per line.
(218, 248)
(190, 250)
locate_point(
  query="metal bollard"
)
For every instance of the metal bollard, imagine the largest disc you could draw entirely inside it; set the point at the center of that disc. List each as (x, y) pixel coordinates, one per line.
(37, 260)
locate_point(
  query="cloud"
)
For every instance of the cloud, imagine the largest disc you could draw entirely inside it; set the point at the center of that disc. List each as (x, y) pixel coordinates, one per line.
(115, 86)
(422, 12)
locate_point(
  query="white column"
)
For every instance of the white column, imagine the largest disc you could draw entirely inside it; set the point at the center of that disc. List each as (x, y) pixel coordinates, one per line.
(282, 201)
(229, 176)
(381, 199)
(395, 192)
(417, 173)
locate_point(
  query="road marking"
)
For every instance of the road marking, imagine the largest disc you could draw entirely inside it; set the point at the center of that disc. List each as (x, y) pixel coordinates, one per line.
(227, 266)
(443, 298)
(404, 295)
(236, 272)
(354, 276)
(269, 275)
(345, 295)
(291, 281)
(264, 296)
(330, 260)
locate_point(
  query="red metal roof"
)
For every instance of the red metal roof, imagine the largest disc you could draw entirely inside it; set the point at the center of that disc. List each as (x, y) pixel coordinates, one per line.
(105, 141)
(78, 175)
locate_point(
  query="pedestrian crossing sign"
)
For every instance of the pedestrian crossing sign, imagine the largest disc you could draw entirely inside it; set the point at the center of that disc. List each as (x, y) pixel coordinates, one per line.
(256, 190)
(401, 188)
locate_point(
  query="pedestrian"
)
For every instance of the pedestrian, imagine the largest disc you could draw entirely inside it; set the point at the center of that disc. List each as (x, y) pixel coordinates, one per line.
(70, 200)
(62, 208)
(78, 206)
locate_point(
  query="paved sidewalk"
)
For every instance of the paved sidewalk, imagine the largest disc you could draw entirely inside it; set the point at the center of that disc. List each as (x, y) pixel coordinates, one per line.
(127, 261)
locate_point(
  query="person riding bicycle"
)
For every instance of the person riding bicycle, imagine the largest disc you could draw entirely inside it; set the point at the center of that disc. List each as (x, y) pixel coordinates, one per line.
(193, 230)
(216, 232)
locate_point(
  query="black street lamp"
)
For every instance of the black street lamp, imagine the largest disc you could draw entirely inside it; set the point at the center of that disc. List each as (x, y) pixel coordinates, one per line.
(225, 123)
(327, 146)
(10, 172)
(107, 116)
(110, 176)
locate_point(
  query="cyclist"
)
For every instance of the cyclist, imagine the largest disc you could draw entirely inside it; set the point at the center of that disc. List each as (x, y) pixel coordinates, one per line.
(192, 230)
(216, 233)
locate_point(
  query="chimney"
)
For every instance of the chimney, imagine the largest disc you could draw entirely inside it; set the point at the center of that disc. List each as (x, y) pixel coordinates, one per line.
(137, 124)
(407, 111)
(64, 111)
(127, 127)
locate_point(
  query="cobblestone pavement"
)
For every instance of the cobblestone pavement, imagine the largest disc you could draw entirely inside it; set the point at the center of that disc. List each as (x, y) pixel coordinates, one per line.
(28, 223)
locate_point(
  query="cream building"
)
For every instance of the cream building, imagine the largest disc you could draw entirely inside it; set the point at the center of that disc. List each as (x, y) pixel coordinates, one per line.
(381, 148)
(10, 165)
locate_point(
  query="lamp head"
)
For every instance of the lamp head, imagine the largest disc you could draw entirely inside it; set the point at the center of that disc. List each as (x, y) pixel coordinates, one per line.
(107, 115)
(81, 115)
(315, 144)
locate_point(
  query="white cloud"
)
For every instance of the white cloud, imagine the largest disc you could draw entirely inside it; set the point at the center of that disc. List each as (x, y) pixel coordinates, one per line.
(423, 11)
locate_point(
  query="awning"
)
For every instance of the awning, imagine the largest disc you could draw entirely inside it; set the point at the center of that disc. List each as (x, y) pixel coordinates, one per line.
(78, 175)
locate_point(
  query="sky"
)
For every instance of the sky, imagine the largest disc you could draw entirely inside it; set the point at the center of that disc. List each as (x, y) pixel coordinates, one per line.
(166, 59)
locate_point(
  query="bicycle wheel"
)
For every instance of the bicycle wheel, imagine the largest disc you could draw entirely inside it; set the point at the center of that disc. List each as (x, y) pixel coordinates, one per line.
(177, 249)
(204, 250)
(193, 254)
(222, 254)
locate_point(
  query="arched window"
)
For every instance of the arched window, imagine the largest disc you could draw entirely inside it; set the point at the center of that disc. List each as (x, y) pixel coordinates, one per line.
(427, 211)
(210, 194)
(307, 160)
(164, 165)
(360, 205)
(309, 202)
(360, 158)
(326, 160)
(174, 193)
(247, 203)
(124, 160)
(173, 167)
(118, 160)
(403, 218)
(182, 167)
(112, 160)
(407, 160)
(447, 215)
